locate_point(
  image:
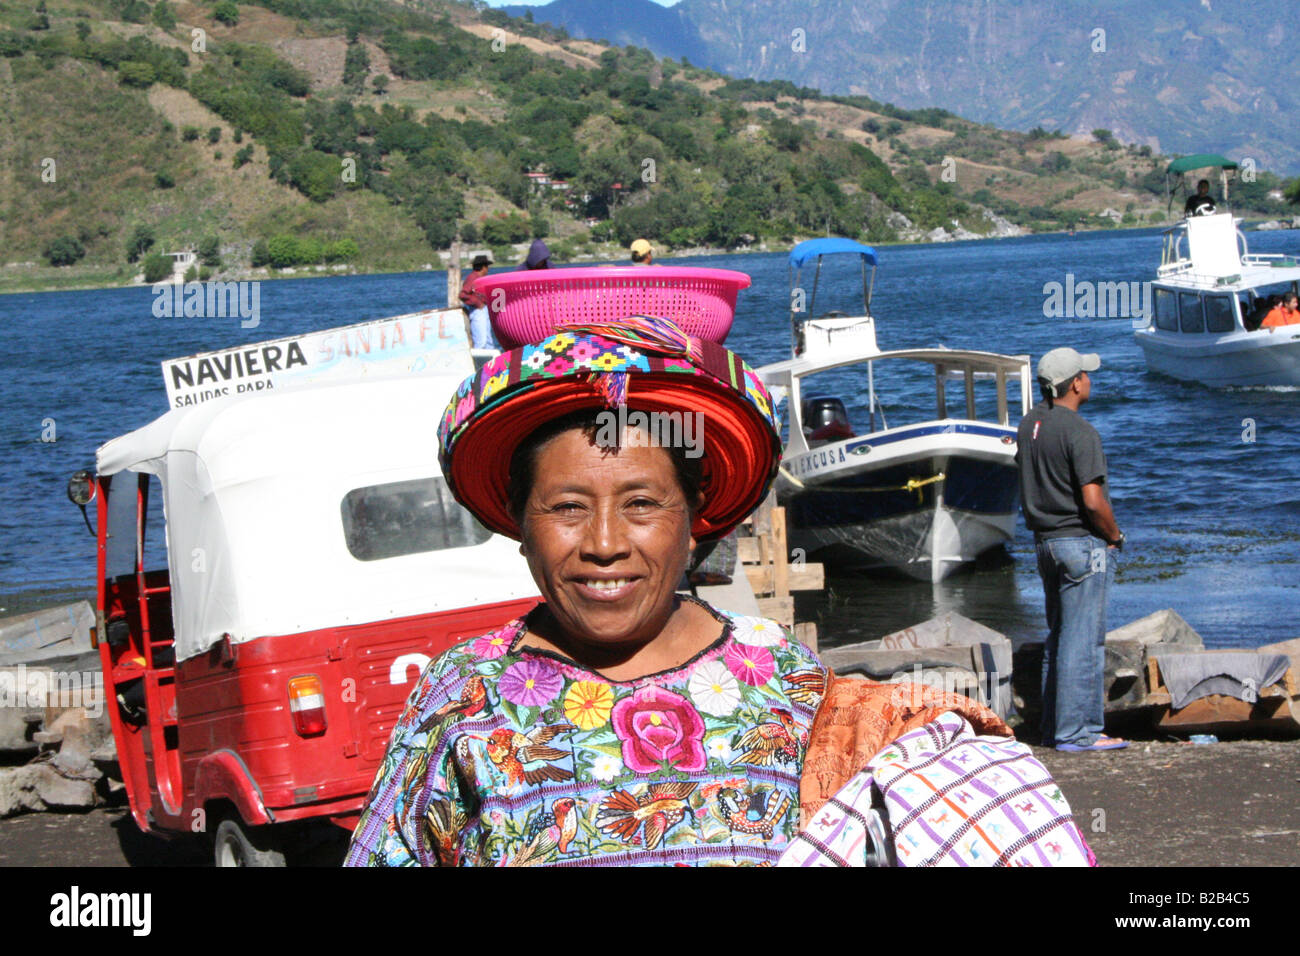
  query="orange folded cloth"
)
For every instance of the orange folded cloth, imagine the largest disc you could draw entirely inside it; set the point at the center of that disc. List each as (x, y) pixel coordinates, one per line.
(857, 718)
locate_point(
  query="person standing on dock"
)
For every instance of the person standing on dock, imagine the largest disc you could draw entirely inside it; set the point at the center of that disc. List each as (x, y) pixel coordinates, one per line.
(480, 324)
(1063, 495)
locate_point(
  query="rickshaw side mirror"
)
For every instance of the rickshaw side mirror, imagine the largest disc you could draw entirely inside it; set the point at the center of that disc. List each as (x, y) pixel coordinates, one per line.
(81, 492)
(81, 488)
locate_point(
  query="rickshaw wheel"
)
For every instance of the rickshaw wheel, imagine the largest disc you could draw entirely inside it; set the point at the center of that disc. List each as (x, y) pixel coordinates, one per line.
(233, 845)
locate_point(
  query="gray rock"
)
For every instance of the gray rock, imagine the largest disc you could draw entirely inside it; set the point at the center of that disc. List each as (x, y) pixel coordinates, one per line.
(15, 736)
(57, 792)
(18, 790)
(1161, 627)
(40, 786)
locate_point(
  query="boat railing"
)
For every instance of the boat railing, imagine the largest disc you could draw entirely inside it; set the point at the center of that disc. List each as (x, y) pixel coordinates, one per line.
(1185, 271)
(1268, 259)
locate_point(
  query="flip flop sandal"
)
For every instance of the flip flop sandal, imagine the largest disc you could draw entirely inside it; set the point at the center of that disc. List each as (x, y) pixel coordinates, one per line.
(1101, 743)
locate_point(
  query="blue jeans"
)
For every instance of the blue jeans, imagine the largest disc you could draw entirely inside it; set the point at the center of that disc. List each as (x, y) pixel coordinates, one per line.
(480, 329)
(1077, 573)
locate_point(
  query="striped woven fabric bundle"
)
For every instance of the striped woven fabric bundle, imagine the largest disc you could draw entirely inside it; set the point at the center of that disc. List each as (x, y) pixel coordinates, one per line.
(952, 798)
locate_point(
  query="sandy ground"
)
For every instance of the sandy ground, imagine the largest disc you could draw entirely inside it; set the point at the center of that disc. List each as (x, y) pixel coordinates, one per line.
(1154, 804)
(1180, 804)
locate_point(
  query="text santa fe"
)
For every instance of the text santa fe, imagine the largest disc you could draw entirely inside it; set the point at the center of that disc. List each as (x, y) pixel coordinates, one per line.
(421, 342)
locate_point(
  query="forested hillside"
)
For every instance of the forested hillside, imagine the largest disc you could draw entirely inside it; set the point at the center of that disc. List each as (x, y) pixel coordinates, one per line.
(368, 135)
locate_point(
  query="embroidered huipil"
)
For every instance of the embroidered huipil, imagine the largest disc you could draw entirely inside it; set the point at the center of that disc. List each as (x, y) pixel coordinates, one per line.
(509, 755)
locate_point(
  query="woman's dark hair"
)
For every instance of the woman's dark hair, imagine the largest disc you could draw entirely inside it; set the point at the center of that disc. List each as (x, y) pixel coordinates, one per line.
(523, 463)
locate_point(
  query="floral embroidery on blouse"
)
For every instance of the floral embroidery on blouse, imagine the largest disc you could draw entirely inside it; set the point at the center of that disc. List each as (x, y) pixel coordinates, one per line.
(517, 756)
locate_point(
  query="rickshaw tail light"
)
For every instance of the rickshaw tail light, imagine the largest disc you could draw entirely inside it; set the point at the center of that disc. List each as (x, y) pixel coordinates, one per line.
(307, 704)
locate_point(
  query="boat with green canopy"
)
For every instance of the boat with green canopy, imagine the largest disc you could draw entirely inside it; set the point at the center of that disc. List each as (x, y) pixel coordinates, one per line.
(1176, 172)
(1211, 294)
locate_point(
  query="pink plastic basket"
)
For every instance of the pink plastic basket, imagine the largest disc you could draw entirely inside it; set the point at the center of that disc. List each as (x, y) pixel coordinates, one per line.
(530, 304)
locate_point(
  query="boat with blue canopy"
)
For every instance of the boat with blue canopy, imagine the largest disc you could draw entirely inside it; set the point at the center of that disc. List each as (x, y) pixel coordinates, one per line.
(921, 481)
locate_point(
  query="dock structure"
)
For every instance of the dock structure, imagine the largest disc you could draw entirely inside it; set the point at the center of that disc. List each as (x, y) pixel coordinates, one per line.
(766, 558)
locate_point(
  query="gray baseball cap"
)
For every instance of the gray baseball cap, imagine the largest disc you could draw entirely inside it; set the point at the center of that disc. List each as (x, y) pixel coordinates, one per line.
(1061, 365)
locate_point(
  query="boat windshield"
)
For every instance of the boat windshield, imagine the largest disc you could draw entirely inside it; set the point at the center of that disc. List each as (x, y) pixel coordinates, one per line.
(907, 391)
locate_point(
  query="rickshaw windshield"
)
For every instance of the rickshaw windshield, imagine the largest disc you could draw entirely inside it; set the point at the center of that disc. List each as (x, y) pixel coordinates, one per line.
(120, 540)
(406, 517)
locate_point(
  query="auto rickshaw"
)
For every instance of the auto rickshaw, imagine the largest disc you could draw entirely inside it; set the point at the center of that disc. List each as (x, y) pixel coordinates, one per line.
(315, 562)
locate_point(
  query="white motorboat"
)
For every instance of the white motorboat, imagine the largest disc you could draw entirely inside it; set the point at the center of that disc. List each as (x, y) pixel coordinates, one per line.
(1203, 311)
(924, 496)
(1206, 303)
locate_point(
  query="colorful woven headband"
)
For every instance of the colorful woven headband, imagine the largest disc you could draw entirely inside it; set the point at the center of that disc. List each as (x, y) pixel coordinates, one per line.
(643, 362)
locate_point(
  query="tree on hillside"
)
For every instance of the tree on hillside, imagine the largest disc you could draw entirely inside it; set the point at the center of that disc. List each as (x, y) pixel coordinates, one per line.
(786, 135)
(356, 65)
(226, 12)
(601, 169)
(157, 267)
(210, 251)
(141, 241)
(436, 213)
(164, 15)
(63, 251)
(136, 73)
(315, 174)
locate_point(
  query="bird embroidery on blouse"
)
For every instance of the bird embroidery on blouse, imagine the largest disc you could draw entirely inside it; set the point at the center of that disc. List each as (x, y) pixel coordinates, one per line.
(526, 757)
(473, 698)
(443, 821)
(771, 741)
(417, 769)
(661, 808)
(807, 687)
(550, 831)
(758, 817)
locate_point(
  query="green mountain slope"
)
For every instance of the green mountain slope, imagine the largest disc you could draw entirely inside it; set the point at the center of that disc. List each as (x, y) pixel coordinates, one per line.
(368, 135)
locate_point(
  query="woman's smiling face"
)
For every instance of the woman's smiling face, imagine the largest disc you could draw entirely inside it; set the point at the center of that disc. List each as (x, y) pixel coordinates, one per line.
(607, 535)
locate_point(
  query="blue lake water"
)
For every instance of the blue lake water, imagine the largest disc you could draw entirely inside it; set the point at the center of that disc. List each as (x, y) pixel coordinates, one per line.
(1213, 521)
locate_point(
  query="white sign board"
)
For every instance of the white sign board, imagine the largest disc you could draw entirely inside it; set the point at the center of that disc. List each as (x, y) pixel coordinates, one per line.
(419, 343)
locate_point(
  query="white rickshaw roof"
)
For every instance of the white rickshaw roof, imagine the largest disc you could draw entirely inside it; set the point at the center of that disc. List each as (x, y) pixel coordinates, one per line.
(254, 489)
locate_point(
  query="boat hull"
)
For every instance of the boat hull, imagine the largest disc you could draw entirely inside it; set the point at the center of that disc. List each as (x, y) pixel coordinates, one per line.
(1241, 359)
(862, 513)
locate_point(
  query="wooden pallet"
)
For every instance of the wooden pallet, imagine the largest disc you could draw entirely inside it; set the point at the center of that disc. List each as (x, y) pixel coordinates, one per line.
(765, 556)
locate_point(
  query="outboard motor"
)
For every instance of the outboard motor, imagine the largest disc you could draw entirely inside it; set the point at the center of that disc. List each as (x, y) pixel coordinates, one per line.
(825, 419)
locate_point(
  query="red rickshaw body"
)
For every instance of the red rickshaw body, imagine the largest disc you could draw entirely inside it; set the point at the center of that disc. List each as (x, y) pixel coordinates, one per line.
(310, 539)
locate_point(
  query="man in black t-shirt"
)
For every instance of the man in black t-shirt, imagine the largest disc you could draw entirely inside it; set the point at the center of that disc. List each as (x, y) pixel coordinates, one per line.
(1201, 202)
(1063, 493)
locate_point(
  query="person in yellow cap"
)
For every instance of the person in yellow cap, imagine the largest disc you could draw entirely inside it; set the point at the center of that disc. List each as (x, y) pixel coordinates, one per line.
(643, 253)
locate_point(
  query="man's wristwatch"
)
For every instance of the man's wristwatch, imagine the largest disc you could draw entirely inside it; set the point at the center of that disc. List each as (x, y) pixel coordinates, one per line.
(1118, 543)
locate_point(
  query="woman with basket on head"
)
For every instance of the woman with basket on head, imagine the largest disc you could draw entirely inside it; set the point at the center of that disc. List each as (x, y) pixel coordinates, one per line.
(620, 723)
